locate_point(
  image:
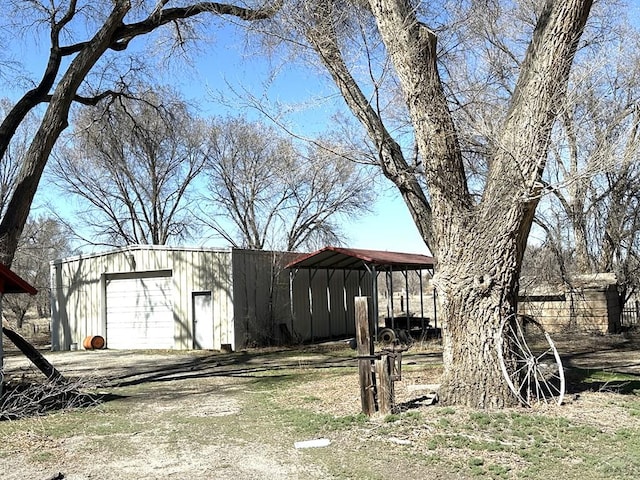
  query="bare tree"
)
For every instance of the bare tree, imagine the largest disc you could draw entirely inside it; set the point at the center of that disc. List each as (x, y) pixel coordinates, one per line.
(267, 192)
(131, 162)
(44, 239)
(478, 240)
(593, 172)
(109, 27)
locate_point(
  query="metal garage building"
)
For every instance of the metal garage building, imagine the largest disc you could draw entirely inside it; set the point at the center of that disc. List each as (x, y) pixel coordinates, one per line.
(168, 298)
(159, 297)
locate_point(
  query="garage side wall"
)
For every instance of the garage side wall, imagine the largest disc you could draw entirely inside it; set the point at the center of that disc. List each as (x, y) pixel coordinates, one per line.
(261, 297)
(77, 302)
(79, 286)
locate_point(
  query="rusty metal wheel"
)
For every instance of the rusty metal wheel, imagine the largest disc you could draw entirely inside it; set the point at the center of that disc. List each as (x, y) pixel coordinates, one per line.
(387, 335)
(530, 362)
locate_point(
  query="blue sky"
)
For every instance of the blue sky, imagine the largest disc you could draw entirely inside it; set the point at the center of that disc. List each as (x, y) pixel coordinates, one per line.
(311, 98)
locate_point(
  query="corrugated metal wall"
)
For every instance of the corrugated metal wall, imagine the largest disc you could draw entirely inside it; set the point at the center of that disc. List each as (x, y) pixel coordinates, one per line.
(78, 290)
(261, 297)
(330, 313)
(250, 295)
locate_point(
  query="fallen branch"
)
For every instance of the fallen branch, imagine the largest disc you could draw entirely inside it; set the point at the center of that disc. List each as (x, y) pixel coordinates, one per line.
(21, 399)
(34, 355)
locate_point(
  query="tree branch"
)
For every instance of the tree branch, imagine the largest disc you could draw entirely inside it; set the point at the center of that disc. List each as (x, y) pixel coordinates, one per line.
(126, 33)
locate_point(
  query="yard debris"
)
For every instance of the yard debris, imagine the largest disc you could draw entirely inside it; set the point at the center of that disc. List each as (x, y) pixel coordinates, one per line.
(318, 442)
(22, 398)
(58, 476)
(399, 441)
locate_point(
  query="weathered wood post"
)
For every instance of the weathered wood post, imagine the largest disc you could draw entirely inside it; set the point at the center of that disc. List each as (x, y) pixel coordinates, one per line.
(384, 383)
(365, 355)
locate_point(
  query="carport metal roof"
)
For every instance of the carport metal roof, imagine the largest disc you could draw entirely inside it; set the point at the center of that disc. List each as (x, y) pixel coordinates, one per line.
(10, 282)
(356, 259)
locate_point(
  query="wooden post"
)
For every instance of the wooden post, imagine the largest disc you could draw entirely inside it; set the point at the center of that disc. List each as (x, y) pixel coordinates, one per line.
(364, 349)
(384, 383)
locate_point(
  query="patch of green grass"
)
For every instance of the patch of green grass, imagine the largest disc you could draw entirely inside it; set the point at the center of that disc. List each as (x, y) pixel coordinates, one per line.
(545, 445)
(305, 422)
(311, 399)
(602, 380)
(43, 456)
(444, 422)
(499, 471)
(481, 419)
(414, 415)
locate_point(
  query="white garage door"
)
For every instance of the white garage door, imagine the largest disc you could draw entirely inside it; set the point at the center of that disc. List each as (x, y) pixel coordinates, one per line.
(139, 312)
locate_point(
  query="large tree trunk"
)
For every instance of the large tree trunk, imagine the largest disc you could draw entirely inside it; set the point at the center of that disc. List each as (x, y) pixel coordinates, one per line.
(54, 122)
(479, 247)
(478, 287)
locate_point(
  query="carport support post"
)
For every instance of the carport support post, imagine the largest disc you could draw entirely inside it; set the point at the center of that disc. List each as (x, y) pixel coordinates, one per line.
(365, 354)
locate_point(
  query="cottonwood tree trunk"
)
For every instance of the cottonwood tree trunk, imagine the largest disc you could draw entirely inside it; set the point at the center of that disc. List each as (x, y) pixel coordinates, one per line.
(478, 245)
(53, 123)
(478, 288)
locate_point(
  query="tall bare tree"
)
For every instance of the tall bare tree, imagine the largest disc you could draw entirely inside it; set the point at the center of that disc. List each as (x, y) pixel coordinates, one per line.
(593, 173)
(267, 192)
(479, 241)
(81, 34)
(131, 163)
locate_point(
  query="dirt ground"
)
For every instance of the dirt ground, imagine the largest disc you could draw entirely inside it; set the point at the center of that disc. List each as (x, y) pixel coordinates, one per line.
(619, 353)
(214, 385)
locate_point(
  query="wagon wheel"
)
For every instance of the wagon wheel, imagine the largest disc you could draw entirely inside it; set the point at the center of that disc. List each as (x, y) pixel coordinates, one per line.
(532, 367)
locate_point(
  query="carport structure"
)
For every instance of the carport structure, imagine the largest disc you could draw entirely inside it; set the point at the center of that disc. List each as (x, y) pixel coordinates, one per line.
(368, 265)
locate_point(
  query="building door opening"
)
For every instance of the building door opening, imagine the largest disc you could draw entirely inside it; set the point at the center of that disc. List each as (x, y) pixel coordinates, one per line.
(202, 321)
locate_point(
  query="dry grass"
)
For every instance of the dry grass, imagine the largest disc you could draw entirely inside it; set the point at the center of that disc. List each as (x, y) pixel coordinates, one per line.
(203, 415)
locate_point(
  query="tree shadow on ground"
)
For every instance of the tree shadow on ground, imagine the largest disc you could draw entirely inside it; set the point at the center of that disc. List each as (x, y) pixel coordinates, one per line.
(239, 364)
(579, 380)
(606, 366)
